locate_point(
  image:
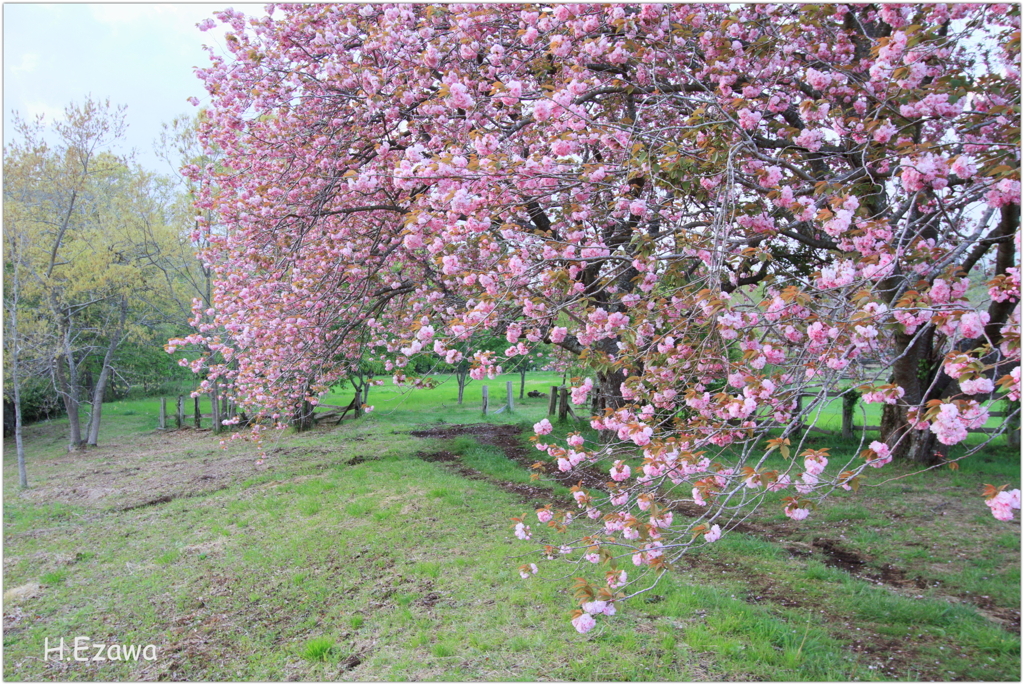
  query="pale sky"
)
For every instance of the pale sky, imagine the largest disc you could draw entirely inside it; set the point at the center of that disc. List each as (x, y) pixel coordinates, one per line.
(139, 55)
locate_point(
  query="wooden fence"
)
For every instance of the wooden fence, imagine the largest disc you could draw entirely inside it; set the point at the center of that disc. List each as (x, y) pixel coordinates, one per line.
(558, 403)
(222, 409)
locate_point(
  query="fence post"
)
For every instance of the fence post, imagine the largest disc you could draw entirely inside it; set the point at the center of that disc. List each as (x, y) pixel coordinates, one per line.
(180, 417)
(485, 399)
(508, 390)
(215, 409)
(553, 402)
(1012, 425)
(163, 413)
(563, 403)
(849, 404)
(199, 417)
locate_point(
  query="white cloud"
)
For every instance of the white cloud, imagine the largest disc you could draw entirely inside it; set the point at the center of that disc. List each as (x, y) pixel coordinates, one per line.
(181, 18)
(122, 14)
(29, 62)
(50, 112)
(135, 15)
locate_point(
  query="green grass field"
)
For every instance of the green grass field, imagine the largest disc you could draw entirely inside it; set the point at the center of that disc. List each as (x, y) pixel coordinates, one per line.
(350, 553)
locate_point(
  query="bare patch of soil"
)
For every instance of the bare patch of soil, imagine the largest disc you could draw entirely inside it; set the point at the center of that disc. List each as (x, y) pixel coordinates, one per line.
(892, 657)
(13, 618)
(528, 494)
(177, 464)
(110, 477)
(858, 565)
(507, 438)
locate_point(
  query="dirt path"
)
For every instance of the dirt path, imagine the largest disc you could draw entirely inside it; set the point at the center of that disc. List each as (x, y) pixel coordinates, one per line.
(154, 469)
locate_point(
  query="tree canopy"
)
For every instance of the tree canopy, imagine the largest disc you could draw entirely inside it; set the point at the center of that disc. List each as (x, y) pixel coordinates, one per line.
(93, 258)
(715, 208)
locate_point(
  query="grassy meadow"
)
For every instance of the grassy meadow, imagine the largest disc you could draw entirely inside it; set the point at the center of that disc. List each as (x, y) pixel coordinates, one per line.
(364, 552)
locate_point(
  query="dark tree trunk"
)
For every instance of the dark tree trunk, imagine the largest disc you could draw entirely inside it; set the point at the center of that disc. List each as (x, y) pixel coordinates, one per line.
(918, 363)
(9, 418)
(522, 382)
(609, 396)
(303, 417)
(359, 384)
(357, 402)
(913, 370)
(88, 384)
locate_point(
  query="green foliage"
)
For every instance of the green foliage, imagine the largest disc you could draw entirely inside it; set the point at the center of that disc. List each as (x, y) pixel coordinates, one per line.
(319, 649)
(147, 367)
(53, 577)
(38, 399)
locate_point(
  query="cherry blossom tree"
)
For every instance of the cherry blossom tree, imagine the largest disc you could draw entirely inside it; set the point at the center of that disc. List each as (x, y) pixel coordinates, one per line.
(715, 209)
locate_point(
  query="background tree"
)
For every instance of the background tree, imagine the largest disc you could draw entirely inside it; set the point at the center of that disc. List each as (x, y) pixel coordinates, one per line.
(16, 327)
(93, 232)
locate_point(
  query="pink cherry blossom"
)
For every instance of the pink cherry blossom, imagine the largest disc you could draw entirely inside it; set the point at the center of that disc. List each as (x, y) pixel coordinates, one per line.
(748, 119)
(1003, 504)
(882, 452)
(797, 513)
(584, 623)
(620, 471)
(691, 247)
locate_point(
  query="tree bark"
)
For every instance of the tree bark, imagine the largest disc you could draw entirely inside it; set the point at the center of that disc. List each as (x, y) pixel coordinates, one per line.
(101, 382)
(303, 417)
(18, 441)
(68, 389)
(913, 370)
(14, 339)
(359, 385)
(918, 365)
(1012, 423)
(522, 382)
(609, 396)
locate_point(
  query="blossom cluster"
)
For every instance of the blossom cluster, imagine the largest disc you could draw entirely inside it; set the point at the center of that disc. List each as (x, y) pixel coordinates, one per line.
(721, 213)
